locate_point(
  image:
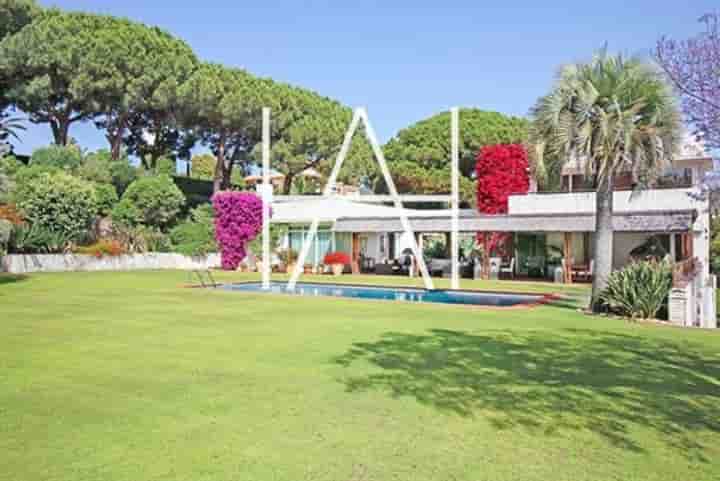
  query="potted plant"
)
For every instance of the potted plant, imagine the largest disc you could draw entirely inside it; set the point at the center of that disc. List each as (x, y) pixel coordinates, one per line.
(288, 257)
(337, 260)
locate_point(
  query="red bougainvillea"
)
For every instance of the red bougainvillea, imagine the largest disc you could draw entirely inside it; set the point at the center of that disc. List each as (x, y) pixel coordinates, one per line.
(238, 220)
(336, 258)
(501, 170)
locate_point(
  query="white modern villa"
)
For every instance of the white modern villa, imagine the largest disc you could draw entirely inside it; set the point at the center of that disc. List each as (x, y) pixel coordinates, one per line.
(549, 229)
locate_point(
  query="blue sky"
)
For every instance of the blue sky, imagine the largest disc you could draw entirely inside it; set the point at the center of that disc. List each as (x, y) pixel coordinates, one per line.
(403, 60)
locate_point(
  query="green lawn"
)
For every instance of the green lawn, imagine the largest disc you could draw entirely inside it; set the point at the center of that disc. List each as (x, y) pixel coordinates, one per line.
(128, 376)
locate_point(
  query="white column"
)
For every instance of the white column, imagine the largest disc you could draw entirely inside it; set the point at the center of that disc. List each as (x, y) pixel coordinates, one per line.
(701, 250)
(673, 252)
(455, 194)
(266, 197)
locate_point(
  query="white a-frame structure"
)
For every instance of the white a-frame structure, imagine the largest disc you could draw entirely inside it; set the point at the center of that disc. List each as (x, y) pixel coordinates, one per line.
(361, 115)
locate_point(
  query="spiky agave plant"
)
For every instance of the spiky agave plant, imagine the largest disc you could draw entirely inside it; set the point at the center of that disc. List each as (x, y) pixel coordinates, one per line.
(639, 290)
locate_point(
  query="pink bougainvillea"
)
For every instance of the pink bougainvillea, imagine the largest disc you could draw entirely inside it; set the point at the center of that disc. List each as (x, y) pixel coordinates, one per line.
(238, 220)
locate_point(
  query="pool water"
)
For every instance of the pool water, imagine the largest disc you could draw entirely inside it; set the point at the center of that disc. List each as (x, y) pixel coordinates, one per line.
(392, 293)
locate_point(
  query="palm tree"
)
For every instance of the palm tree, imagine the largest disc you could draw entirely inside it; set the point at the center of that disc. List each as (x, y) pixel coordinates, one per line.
(611, 114)
(9, 126)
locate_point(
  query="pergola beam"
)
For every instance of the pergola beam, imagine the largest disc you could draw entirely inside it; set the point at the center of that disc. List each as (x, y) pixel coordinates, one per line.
(371, 198)
(328, 193)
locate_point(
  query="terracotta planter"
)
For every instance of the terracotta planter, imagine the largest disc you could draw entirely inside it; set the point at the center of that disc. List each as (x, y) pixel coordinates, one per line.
(337, 269)
(290, 268)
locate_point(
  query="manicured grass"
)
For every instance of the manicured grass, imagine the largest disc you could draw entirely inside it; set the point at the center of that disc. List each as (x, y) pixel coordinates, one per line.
(127, 376)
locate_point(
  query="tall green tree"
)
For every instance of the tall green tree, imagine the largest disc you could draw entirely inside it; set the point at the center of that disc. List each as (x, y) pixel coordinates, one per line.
(15, 14)
(70, 67)
(155, 133)
(134, 73)
(308, 131)
(409, 177)
(223, 108)
(45, 64)
(614, 114)
(419, 156)
(427, 143)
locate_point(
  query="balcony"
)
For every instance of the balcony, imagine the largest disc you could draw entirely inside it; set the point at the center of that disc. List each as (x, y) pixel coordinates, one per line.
(584, 202)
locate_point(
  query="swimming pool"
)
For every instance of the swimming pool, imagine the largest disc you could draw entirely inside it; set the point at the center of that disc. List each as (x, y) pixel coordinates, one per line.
(405, 294)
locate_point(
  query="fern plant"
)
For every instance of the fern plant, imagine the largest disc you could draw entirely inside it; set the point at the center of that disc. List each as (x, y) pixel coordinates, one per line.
(639, 290)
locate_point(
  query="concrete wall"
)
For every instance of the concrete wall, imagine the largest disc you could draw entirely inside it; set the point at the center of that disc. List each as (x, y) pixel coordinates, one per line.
(27, 263)
(623, 243)
(584, 202)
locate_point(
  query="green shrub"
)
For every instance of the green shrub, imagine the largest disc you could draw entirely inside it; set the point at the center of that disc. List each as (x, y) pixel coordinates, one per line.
(435, 249)
(150, 201)
(123, 174)
(100, 167)
(38, 239)
(202, 166)
(96, 167)
(165, 166)
(58, 203)
(107, 197)
(196, 235)
(6, 186)
(139, 239)
(6, 230)
(9, 165)
(639, 290)
(30, 173)
(63, 157)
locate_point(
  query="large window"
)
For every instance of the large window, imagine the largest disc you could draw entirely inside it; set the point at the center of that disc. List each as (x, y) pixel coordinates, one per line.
(676, 177)
(325, 241)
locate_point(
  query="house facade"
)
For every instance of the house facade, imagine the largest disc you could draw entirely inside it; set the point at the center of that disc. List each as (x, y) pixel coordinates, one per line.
(550, 232)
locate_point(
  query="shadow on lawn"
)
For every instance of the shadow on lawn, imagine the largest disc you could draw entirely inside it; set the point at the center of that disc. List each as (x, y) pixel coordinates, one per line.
(550, 381)
(11, 278)
(568, 302)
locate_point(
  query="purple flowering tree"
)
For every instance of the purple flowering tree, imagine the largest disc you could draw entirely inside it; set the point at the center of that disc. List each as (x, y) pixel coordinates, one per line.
(693, 66)
(238, 220)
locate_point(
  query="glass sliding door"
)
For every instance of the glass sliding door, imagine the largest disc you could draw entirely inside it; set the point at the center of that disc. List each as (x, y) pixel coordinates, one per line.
(322, 244)
(531, 254)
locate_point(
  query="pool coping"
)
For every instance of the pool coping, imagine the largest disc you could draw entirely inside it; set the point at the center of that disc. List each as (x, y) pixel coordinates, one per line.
(544, 298)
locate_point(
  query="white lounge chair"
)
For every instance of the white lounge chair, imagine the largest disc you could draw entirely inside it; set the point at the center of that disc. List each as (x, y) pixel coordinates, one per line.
(508, 268)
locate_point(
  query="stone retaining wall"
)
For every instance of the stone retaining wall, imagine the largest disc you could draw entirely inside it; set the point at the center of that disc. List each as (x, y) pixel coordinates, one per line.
(27, 263)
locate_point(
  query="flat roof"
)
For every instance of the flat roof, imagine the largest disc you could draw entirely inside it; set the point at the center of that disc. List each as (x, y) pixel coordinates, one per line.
(654, 221)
